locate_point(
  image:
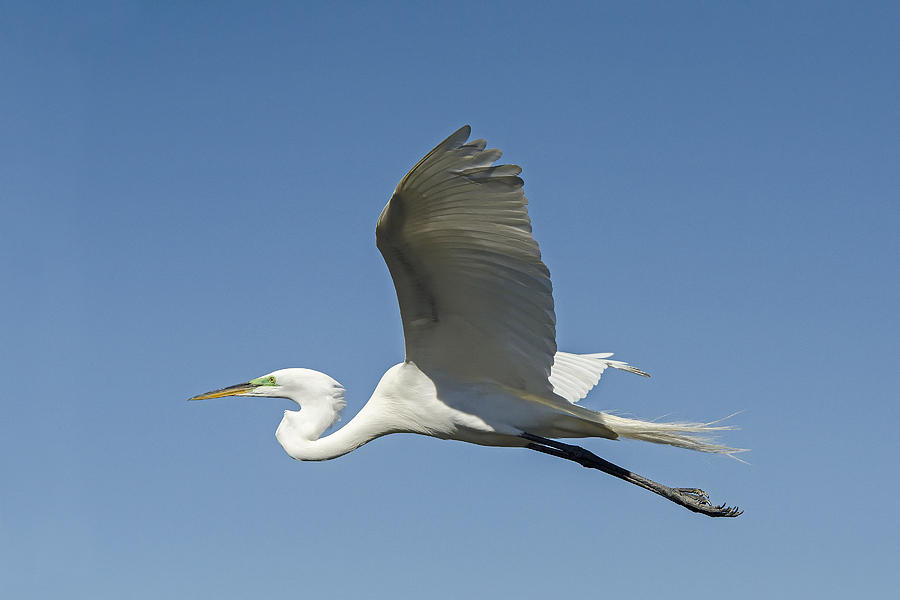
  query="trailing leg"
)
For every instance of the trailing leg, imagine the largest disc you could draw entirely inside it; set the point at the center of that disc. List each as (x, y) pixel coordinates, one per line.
(692, 499)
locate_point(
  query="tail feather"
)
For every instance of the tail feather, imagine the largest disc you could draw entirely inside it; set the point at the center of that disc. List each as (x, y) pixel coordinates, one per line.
(693, 436)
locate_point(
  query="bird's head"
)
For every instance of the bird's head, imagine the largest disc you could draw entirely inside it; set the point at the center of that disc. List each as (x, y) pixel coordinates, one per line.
(320, 397)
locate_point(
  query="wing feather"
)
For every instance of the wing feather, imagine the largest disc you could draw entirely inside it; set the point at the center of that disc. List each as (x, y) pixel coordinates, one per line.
(475, 298)
(573, 375)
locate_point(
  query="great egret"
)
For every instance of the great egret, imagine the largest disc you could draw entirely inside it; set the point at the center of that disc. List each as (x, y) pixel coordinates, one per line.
(480, 331)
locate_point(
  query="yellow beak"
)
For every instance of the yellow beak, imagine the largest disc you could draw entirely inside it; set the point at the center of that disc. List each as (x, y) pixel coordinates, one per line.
(232, 390)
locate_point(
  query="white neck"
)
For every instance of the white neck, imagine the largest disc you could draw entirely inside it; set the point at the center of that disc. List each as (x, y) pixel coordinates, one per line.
(299, 433)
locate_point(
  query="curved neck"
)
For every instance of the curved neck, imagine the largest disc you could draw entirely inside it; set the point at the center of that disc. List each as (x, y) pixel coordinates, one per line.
(306, 445)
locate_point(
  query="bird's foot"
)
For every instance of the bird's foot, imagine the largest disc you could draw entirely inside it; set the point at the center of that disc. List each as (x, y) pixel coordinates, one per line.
(696, 494)
(698, 501)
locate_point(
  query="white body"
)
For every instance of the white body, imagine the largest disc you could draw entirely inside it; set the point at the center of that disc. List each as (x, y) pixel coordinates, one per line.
(407, 400)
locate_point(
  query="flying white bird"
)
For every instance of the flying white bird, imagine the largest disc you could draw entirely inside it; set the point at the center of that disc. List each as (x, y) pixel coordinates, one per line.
(481, 360)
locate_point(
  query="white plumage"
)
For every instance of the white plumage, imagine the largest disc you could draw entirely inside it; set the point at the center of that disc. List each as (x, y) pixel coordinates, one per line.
(481, 362)
(574, 375)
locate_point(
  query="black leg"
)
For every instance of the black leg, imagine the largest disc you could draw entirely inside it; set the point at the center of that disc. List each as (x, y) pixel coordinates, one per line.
(690, 498)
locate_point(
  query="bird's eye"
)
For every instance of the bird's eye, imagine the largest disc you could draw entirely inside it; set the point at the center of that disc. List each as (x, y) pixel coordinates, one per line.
(271, 380)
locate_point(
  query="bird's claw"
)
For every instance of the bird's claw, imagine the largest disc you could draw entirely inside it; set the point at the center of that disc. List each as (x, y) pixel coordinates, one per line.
(698, 501)
(724, 511)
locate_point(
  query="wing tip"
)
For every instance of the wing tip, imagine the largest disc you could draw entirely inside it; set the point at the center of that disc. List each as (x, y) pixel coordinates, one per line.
(464, 132)
(623, 366)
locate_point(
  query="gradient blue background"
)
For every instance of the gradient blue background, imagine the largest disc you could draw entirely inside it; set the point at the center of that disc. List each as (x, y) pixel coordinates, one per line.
(188, 194)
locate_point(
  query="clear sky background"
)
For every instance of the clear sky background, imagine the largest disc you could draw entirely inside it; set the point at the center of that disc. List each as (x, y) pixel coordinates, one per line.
(188, 195)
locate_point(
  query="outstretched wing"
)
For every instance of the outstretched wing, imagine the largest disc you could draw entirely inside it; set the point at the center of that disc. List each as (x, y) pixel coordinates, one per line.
(475, 297)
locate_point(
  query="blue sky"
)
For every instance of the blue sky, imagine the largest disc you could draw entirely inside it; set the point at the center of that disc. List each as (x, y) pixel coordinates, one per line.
(188, 196)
